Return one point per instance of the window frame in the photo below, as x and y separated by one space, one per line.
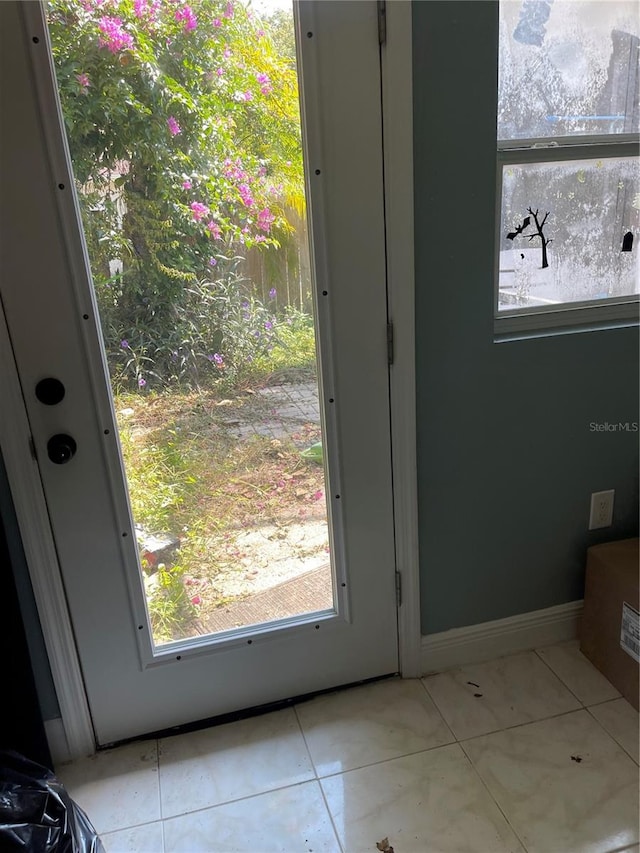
524 321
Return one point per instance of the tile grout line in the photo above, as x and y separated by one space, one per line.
438 711
493 799
163 836
329 812
387 760
127 828
143 822
556 675
159 782
521 725
160 793
504 728
562 681
158 753
606 702
304 740
236 800
608 733
317 779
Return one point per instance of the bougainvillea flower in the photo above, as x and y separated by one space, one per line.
245 195
146 9
233 169
265 220
174 127
186 15
114 37
214 229
198 210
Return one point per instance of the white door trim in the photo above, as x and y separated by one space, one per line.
42 559
397 118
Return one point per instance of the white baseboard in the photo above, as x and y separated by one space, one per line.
57 740
476 643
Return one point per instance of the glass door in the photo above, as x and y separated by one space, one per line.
217 461
184 130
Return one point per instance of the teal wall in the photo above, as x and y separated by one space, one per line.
506 458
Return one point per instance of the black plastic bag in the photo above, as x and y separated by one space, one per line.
37 815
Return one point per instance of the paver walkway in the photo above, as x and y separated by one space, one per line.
278 411
306 593
284 411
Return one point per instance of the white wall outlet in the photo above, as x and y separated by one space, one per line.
601 514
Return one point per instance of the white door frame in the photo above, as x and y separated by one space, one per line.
22 470
41 557
397 120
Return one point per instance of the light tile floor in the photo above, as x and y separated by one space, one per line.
535 752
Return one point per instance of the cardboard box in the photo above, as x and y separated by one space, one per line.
609 631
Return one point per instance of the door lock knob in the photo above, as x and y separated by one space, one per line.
50 391
61 448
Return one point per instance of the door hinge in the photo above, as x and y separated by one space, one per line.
390 343
382 21
398 589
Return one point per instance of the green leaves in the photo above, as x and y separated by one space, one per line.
164 115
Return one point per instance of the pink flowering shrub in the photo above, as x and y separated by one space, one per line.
186 145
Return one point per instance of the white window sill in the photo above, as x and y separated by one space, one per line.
569 319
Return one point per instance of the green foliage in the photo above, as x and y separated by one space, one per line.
294 344
169 605
184 130
219 330
159 474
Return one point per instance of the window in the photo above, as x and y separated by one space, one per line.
568 167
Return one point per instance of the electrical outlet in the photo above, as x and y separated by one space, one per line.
601 514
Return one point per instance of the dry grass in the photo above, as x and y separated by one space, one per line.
192 477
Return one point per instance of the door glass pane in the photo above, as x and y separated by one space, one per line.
184 129
567 231
567 67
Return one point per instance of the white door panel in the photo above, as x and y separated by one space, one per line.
132 686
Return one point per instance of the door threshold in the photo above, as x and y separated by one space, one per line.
245 713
